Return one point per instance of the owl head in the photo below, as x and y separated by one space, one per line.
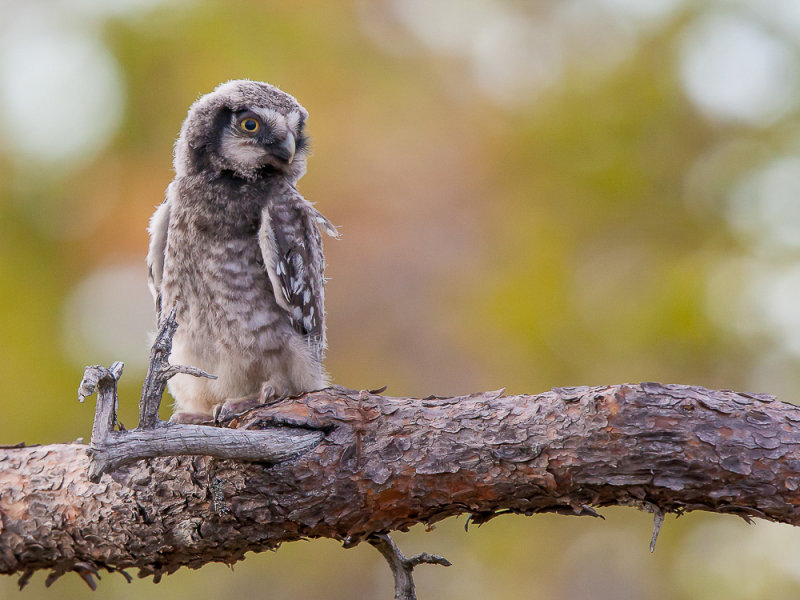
247 128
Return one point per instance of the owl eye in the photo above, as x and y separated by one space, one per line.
249 124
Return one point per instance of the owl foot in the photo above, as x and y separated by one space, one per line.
187 418
231 408
236 407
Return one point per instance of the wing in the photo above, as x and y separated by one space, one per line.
291 246
159 223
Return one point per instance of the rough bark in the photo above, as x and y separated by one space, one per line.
388 463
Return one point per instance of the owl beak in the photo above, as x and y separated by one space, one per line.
284 150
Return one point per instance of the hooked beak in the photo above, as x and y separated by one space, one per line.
284 150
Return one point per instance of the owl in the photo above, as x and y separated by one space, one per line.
238 251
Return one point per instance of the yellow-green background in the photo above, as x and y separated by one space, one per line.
531 194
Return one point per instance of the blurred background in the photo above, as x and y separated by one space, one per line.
531 194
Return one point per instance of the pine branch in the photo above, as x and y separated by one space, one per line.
385 464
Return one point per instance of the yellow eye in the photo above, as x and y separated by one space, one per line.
250 125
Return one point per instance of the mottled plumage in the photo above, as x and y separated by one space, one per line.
238 250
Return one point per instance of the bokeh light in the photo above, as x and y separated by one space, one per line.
734 68
764 205
61 91
108 316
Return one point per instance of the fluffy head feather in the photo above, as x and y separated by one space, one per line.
213 139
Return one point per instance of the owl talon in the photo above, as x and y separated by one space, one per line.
230 409
268 395
236 407
186 418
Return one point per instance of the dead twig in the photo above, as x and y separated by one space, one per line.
111 449
402 567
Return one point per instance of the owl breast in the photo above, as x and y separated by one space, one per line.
224 296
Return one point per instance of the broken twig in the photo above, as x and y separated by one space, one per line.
111 449
401 566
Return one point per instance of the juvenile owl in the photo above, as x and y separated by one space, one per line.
237 249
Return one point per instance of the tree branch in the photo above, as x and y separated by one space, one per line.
386 464
401 566
159 371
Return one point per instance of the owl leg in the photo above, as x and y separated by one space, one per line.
236 406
